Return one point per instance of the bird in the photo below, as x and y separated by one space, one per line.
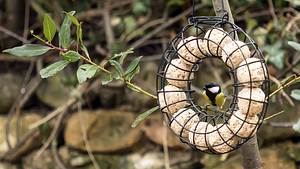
213 94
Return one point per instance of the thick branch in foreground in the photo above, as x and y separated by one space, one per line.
249 151
250 154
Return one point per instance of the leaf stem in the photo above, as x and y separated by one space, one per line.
140 89
93 63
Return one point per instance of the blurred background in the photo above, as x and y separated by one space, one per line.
95 131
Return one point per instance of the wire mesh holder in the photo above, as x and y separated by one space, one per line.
210 129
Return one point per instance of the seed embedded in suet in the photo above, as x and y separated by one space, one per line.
242 125
183 120
251 101
222 140
178 73
199 135
234 53
214 41
251 72
190 50
171 99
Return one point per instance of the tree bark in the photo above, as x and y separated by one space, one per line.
249 151
250 154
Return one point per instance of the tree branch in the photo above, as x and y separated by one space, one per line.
249 151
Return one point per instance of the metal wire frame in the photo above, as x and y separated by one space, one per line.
200 25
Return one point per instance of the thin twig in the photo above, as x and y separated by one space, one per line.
26 18
165 147
85 138
170 22
54 113
273 115
272 11
110 37
283 86
14 107
52 136
57 157
294 64
12 34
280 124
282 92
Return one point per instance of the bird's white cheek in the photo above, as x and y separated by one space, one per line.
214 89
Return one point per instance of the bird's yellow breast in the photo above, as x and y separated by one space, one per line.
220 99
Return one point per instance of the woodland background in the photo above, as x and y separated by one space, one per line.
91 128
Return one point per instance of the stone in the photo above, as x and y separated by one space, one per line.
7 166
154 127
45 161
53 92
273 158
10 86
107 131
25 121
155 160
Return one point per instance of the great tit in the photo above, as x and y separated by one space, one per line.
213 94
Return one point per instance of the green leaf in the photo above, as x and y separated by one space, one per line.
105 78
85 72
294 3
53 68
49 27
143 116
37 36
139 8
45 128
65 32
85 50
133 65
28 50
175 2
121 56
79 34
296 126
295 45
296 94
129 76
276 54
117 66
116 75
130 24
73 19
71 56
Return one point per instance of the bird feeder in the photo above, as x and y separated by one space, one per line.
224 130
